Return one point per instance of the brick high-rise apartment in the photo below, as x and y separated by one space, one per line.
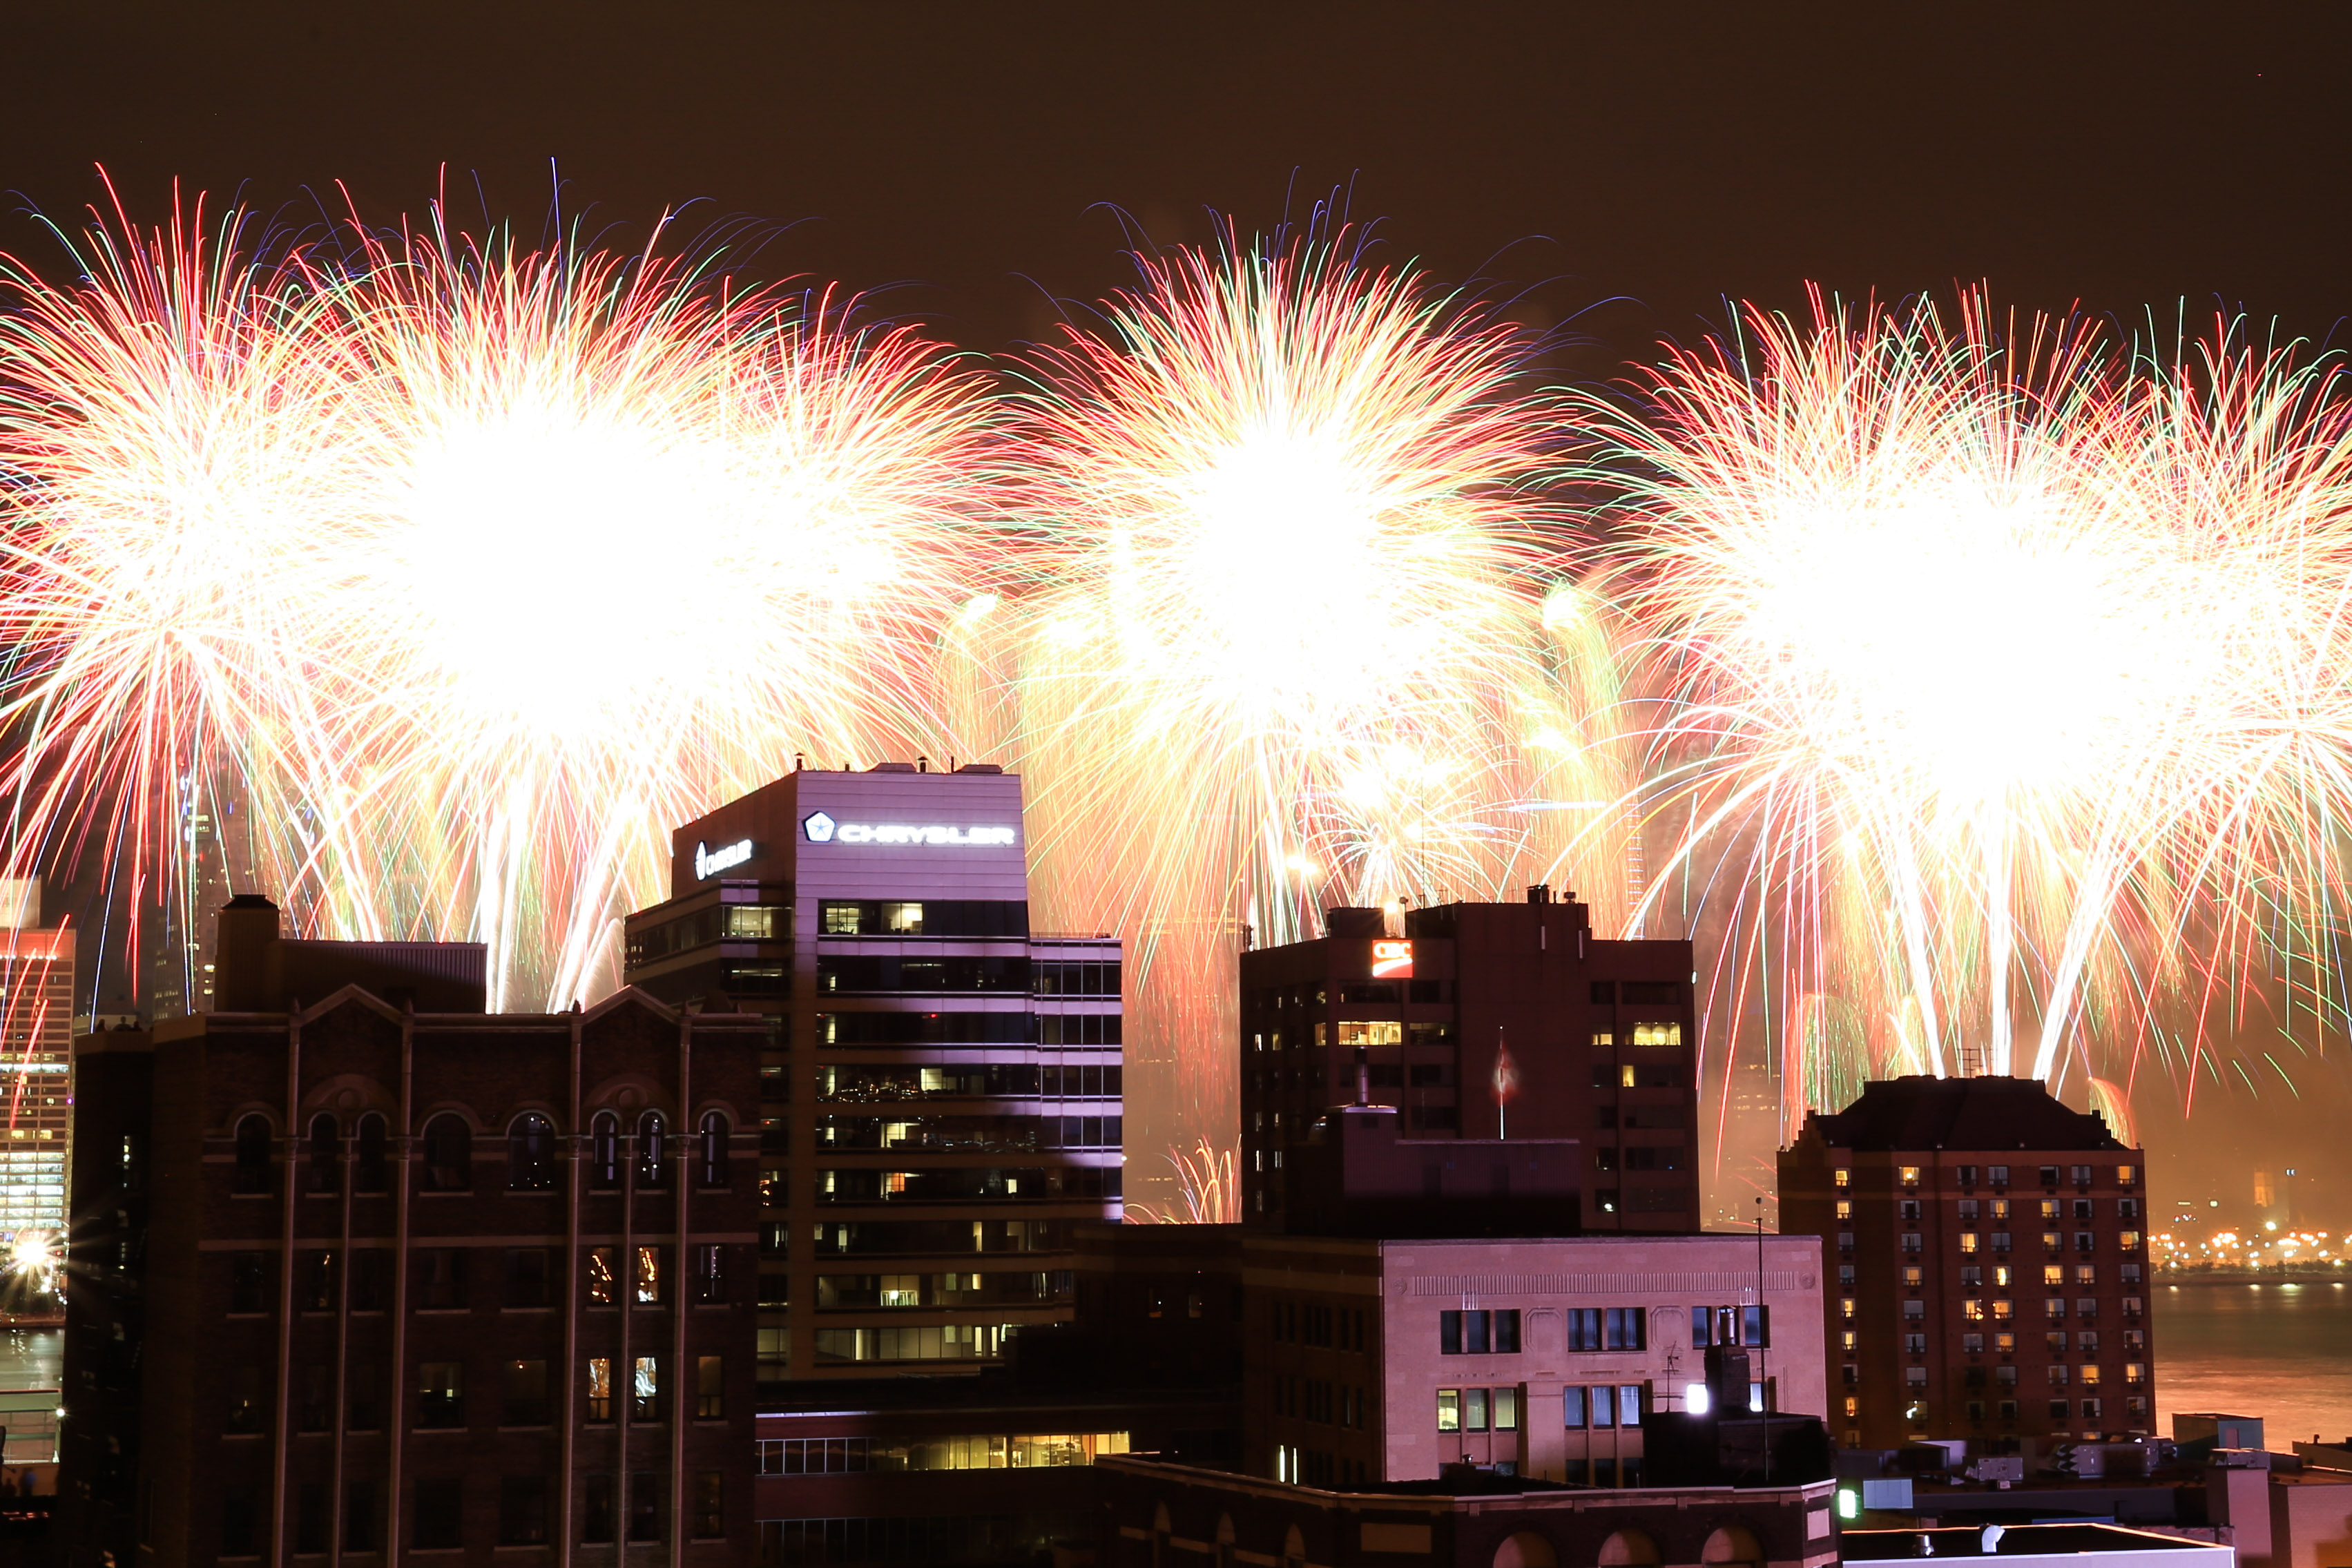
941 1088
1600 1035
1991 1258
363 1272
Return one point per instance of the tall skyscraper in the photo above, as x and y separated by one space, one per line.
941 1091
36 980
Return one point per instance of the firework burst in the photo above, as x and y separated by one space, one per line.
1965 713
1291 640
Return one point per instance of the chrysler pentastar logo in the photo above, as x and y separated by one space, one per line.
818 827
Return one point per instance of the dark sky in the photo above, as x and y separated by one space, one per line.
1643 159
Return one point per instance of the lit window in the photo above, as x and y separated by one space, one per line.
1967 1241
1625 1076
1973 1310
1909 1175
1852 1406
1449 1410
1845 1308
1845 1208
2053 1273
2126 1175
2004 1344
1914 1275
2003 1311
1657 1034
1842 1177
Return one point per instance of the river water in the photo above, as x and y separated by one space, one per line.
2280 1352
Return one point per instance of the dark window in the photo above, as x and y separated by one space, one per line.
645 1505
2048 1175
244 1411
530 1154
358 1516
311 1409
1626 1327
438 1524
604 1151
1605 992
709 1388
526 1402
441 1278
363 1401
449 1154
372 1171
1506 1332
315 1287
1584 1328
1755 1326
711 1150
440 1395
310 1521
652 1151
596 1510
522 1510
325 1163
371 1281
708 1519
527 1271
252 1172
240 1522
708 1262
248 1282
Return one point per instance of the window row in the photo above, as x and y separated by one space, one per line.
1321 1400
969 1134
1023 1080
1316 1323
449 1279
521 1395
1998 1177
438 1508
991 1451
445 1154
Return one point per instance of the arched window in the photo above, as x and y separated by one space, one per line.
449 1154
252 1155
1525 1550
326 1152
530 1154
372 1171
1629 1549
604 1151
652 1151
711 1148
1730 1545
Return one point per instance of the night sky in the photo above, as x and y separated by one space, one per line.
1623 167
1617 170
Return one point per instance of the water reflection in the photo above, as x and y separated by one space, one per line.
2280 1352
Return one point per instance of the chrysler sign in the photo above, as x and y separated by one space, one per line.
821 829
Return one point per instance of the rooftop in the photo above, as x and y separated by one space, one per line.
1989 1114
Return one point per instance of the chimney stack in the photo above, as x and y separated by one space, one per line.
247 930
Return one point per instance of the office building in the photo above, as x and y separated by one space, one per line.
1595 1040
1378 1355
37 981
363 1272
941 1090
1991 1248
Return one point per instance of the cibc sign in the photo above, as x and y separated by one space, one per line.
1392 959
709 863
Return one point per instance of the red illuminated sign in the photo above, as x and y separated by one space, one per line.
1391 960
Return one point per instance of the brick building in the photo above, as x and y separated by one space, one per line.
941 1085
1991 1248
363 1272
1600 1035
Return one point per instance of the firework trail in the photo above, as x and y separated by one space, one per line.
1987 658
1286 647
465 570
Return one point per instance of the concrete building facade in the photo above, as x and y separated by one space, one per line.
941 1088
